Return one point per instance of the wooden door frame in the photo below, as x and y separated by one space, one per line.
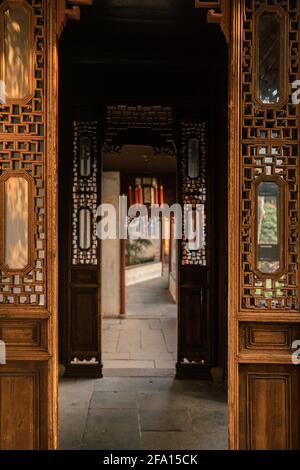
52 205
233 222
55 19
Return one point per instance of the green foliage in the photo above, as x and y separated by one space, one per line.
269 229
134 249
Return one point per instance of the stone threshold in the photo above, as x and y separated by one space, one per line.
138 372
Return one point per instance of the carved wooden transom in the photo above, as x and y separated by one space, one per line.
218 12
69 10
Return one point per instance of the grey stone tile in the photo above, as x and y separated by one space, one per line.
155 384
164 420
106 421
130 364
160 401
119 400
216 439
77 386
114 372
165 413
72 420
110 340
165 363
130 340
115 356
152 355
170 441
206 388
153 340
211 420
204 402
155 325
114 441
115 384
174 400
69 441
74 401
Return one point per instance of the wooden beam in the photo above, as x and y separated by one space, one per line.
69 10
218 12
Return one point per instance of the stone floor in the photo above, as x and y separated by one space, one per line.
151 298
139 405
147 338
158 413
139 343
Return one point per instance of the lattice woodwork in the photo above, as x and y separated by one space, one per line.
194 190
269 146
153 124
85 193
22 147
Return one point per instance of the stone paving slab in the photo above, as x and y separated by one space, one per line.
147 333
132 413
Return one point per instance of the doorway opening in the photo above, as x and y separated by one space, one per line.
139 273
181 64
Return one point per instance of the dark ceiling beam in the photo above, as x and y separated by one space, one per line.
218 12
69 10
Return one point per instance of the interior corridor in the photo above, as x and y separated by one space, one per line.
151 298
147 337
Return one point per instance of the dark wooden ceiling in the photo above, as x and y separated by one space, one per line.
150 50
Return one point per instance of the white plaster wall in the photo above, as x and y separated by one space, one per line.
142 272
110 260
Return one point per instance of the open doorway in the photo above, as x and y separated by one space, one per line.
139 273
182 63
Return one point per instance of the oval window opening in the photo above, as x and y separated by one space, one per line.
16 50
85 229
193 158
269 51
16 223
85 157
269 227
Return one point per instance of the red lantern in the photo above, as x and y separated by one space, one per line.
156 195
136 195
140 195
162 201
130 196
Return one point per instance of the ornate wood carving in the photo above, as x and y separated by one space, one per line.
81 328
154 124
28 299
196 354
69 10
269 148
22 151
264 311
218 12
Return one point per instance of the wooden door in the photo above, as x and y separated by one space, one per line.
197 319
264 318
28 241
79 298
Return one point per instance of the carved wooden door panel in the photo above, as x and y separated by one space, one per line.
80 296
196 314
28 246
264 312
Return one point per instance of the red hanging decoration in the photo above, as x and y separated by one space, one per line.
130 196
136 195
162 201
140 195
156 195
